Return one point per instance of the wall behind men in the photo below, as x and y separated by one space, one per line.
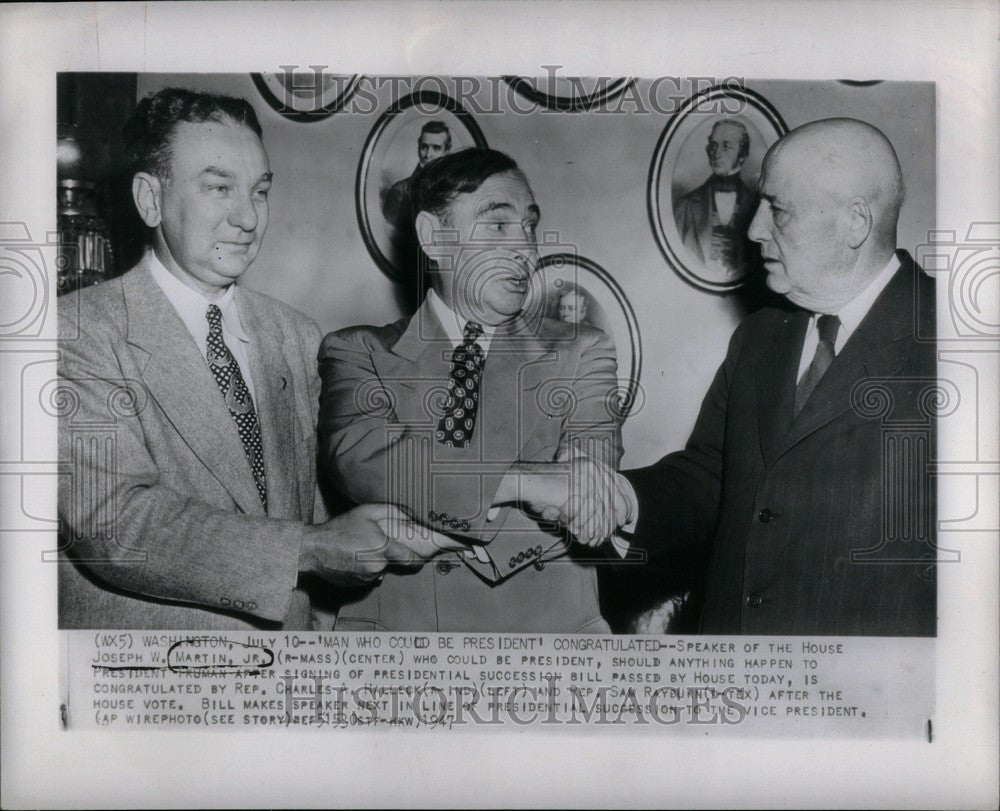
589 174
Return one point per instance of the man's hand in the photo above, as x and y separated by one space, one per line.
581 493
355 548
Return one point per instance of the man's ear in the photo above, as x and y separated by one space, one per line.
148 198
428 233
861 222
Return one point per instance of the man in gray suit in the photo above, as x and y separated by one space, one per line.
449 412
189 406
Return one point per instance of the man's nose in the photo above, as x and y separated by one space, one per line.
757 232
243 213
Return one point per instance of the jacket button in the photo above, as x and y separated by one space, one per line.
225 601
443 566
753 600
465 526
765 516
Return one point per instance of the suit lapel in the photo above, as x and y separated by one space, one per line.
416 367
276 409
516 367
776 372
178 378
704 229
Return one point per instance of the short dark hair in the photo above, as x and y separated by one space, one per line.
435 186
437 128
149 131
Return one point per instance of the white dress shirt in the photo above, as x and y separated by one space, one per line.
850 315
192 307
725 204
454 325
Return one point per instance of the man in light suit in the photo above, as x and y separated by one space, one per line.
712 220
451 412
189 408
808 470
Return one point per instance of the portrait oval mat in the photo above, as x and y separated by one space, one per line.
680 166
296 97
608 309
377 167
569 94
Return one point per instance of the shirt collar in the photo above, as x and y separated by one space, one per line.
191 305
452 324
854 312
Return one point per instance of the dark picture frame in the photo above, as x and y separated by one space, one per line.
609 310
307 108
674 178
428 104
576 103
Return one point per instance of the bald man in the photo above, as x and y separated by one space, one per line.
806 478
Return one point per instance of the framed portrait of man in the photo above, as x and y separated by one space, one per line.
416 130
576 290
703 185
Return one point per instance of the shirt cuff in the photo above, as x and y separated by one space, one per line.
632 519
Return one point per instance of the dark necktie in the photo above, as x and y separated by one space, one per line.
725 182
234 390
459 418
827 326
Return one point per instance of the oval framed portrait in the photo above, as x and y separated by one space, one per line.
703 185
415 130
576 290
306 96
569 94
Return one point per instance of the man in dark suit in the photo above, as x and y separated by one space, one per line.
434 142
807 472
190 406
712 220
449 413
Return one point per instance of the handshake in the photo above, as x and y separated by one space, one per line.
580 492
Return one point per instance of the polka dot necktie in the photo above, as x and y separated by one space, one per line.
827 326
459 418
234 390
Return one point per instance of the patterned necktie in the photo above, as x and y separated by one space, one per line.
234 390
459 419
827 326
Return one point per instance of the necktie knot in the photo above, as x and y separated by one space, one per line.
472 331
828 326
214 316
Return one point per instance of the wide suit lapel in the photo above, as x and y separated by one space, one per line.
416 371
870 352
177 377
777 366
419 364
704 229
287 493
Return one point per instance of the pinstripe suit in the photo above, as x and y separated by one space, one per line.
824 524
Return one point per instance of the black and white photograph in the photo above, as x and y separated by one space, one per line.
376 376
310 95
703 185
418 129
